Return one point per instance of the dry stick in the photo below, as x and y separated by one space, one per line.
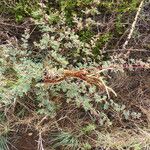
133 25
12 25
129 49
40 142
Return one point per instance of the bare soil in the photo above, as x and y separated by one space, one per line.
24 141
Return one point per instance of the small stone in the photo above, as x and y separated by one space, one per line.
30 134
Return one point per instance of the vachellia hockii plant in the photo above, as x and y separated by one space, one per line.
75 73
61 62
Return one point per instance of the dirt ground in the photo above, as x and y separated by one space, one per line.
24 141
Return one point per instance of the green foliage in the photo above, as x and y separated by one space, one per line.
101 42
85 35
17 72
86 146
3 143
66 140
45 106
89 128
20 9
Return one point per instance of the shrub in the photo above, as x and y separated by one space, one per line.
63 69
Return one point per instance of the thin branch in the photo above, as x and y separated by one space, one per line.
133 25
129 49
12 25
40 142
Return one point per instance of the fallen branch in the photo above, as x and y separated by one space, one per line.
91 78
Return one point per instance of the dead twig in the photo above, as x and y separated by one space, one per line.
40 142
12 25
129 49
91 78
133 25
